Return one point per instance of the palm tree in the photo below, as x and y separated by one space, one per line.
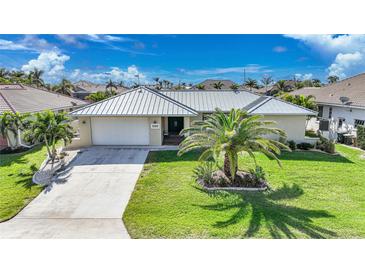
333 79
65 87
230 134
200 86
266 81
301 100
251 83
3 73
234 87
110 85
50 128
36 75
218 85
98 96
316 82
282 86
10 126
121 84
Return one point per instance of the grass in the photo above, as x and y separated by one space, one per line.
315 195
16 187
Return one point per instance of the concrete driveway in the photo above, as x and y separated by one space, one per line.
87 201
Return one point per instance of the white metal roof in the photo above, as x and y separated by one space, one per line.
136 102
144 101
208 101
274 106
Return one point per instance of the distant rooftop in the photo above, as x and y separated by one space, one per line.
23 99
350 92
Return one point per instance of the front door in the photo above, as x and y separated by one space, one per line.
176 124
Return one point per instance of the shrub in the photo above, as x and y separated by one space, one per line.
204 172
304 146
361 136
326 145
259 173
311 133
292 145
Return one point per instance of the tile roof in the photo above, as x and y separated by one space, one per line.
137 102
209 83
89 87
23 99
353 88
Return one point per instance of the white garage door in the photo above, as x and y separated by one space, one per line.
120 131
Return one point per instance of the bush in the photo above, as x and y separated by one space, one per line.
292 145
259 173
204 172
304 146
311 133
326 145
361 136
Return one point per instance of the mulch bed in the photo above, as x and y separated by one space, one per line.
8 150
243 180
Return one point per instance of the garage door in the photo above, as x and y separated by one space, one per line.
120 131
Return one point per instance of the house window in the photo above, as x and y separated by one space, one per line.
330 113
340 122
320 111
359 122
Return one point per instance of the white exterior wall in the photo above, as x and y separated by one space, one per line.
294 126
350 114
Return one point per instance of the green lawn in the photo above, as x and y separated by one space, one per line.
315 195
16 187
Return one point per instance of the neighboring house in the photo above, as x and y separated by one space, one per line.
143 116
85 88
209 84
343 101
24 99
273 89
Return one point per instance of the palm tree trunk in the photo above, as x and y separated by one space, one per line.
226 167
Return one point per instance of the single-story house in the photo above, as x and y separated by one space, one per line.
25 99
143 116
343 101
85 88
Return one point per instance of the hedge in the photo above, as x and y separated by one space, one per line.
361 136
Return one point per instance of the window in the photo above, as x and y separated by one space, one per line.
340 122
330 113
320 111
359 122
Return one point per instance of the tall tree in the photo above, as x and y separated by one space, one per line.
65 87
218 85
230 134
36 77
333 79
234 87
110 85
251 83
50 127
266 80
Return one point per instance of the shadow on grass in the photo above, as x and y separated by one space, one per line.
17 158
280 220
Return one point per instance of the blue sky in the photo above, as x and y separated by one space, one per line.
185 58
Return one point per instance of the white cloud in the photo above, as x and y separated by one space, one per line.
251 68
115 74
51 62
28 43
344 62
10 45
302 77
347 51
279 49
